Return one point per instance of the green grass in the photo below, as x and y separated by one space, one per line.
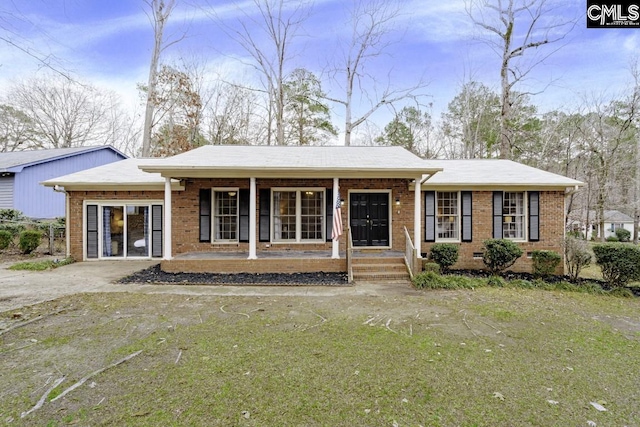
434 360
40 265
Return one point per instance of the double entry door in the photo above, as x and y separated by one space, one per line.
369 219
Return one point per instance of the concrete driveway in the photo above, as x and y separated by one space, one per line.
21 288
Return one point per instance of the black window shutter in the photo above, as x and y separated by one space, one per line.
156 230
244 195
467 209
330 203
265 211
430 216
205 214
497 214
92 231
534 216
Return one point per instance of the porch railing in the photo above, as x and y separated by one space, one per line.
410 255
349 255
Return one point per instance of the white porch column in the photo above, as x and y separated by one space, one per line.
417 224
167 219
335 245
252 220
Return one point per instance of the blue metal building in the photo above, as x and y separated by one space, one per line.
22 171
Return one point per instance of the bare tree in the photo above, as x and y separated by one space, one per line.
266 32
17 131
160 12
64 113
372 22
608 134
517 28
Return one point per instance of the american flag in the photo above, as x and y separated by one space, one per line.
336 231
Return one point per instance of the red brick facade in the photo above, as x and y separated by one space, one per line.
75 220
185 219
551 231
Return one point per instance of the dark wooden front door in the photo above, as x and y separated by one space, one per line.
369 219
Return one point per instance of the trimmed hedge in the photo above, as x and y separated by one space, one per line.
29 241
431 266
444 254
500 254
545 262
5 239
619 262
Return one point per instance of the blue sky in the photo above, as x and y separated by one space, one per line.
108 43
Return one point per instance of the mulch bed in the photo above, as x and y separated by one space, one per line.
154 275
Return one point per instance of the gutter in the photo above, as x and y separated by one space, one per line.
568 192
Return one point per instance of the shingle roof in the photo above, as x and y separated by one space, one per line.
292 161
16 160
313 162
609 216
123 174
495 173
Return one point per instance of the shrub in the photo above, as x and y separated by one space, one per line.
500 254
428 280
445 254
496 282
612 239
11 215
5 239
431 266
29 241
545 262
623 234
433 280
12 228
619 262
621 292
576 255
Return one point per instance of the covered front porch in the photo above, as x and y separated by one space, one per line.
285 261
281 261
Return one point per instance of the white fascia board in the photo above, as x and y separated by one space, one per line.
196 172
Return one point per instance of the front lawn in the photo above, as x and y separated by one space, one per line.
486 357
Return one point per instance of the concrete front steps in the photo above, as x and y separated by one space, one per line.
379 269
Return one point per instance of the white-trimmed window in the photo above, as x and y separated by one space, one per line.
513 215
122 229
225 215
448 215
298 215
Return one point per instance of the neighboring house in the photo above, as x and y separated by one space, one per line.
588 224
271 209
22 171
